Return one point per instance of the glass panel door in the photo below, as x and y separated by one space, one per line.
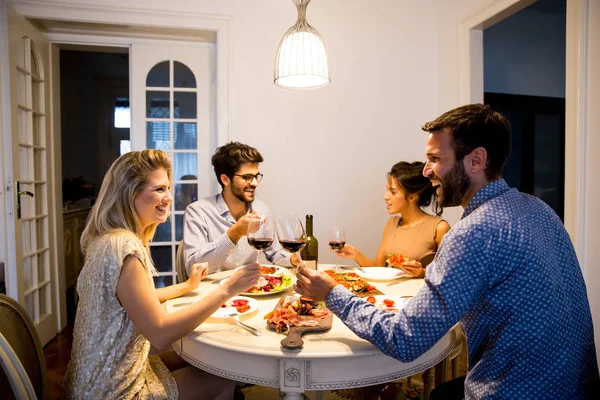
175 91
32 251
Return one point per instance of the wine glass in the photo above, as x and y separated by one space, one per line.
337 240
291 235
261 232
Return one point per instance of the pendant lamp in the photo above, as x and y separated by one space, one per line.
302 61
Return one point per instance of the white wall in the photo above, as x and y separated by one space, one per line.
525 54
327 151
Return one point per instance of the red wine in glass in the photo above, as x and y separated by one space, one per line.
261 232
260 243
292 245
337 244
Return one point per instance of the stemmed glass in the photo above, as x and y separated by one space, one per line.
337 240
261 233
291 235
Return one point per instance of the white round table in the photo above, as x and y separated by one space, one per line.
335 359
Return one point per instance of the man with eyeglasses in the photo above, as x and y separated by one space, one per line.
215 227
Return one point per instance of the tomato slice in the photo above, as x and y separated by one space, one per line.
389 303
239 302
242 308
371 300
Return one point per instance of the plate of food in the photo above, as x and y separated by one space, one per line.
239 305
388 303
353 282
294 316
273 279
379 273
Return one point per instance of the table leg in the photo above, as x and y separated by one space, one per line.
292 396
441 372
427 383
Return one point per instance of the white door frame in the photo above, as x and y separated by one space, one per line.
37 9
576 110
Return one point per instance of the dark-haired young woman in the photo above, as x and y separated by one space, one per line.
414 234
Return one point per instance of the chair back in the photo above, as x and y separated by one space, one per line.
21 350
182 275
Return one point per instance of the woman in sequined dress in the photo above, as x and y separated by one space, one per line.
119 314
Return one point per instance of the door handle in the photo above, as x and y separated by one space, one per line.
19 194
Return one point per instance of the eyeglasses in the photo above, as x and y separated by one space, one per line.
249 177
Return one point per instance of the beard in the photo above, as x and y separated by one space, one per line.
454 186
241 195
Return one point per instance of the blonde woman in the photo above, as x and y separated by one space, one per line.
119 312
414 234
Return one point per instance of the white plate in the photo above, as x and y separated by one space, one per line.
223 312
399 302
379 273
263 293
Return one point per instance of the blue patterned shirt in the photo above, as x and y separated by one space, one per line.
508 273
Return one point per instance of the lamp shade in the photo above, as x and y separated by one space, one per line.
301 61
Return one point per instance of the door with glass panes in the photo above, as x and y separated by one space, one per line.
31 275
171 92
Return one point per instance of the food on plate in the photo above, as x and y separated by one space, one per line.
268 270
241 305
371 300
352 282
271 283
242 308
296 311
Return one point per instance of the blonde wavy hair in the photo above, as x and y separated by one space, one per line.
114 209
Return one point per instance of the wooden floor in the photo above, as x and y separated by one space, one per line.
58 353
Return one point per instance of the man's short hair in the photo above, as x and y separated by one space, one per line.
477 125
228 158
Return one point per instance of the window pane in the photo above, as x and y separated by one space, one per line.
185 105
158 135
163 232
36 92
185 135
161 256
185 164
38 138
157 104
125 146
162 281
35 71
184 77
122 114
158 75
185 194
178 227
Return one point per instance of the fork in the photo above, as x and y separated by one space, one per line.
251 329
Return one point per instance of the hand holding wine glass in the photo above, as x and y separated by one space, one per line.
291 235
337 240
261 232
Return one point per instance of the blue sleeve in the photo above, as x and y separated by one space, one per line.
455 280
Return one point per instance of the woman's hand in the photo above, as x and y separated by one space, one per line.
242 279
197 273
348 251
412 268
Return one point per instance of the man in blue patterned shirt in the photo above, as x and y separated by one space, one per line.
507 272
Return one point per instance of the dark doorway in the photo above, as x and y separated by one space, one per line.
537 162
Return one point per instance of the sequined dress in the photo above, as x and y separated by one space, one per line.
110 357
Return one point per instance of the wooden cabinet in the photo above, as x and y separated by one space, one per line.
74 223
